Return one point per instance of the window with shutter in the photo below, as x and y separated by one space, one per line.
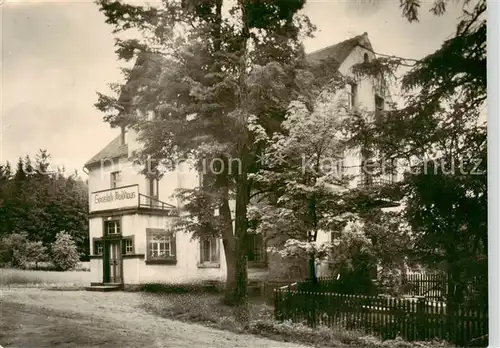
97 247
127 245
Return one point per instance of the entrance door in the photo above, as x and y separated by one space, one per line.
114 262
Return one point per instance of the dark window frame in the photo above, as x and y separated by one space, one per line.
379 106
353 95
214 240
96 241
124 245
170 259
153 187
115 179
117 221
262 261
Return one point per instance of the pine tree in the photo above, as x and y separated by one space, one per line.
42 204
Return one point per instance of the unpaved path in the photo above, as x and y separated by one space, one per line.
43 318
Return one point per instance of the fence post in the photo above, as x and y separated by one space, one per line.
421 318
277 305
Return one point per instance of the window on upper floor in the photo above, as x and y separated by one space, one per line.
352 95
366 58
153 187
112 227
367 167
150 115
115 179
389 170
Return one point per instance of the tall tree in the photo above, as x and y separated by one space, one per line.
302 179
5 180
205 74
40 203
439 136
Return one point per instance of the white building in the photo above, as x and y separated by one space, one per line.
130 215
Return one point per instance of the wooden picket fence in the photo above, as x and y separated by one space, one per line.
428 285
411 318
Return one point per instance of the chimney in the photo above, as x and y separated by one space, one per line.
122 136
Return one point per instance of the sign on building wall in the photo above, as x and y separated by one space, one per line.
119 198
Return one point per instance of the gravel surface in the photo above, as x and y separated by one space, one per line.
45 318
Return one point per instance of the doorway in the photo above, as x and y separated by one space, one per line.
113 262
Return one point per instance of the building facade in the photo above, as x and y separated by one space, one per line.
131 215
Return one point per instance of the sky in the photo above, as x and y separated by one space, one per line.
56 55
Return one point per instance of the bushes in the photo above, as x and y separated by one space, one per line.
65 254
199 287
17 251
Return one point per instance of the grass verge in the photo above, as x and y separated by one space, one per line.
192 304
16 278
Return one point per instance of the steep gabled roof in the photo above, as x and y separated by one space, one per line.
340 51
113 150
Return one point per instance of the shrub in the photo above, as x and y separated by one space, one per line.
65 254
35 252
390 281
12 249
17 251
200 287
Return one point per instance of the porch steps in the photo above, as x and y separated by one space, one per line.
103 287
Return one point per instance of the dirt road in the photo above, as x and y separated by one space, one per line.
43 318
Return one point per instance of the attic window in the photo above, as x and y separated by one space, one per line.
151 115
366 59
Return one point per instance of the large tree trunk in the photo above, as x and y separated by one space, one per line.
241 225
228 238
228 242
240 296
312 270
453 289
